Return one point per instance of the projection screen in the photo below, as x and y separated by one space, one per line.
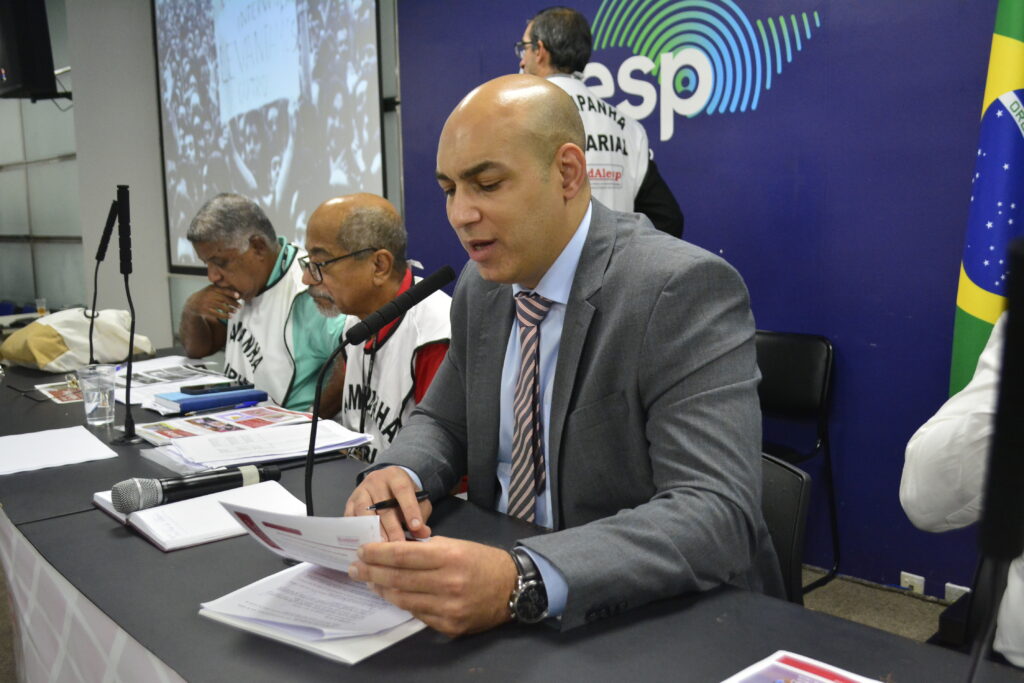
277 100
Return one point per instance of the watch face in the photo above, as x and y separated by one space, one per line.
531 603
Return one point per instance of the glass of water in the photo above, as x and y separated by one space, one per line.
97 385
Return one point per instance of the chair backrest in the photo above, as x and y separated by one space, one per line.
785 493
796 374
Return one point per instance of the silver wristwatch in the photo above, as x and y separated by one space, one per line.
529 601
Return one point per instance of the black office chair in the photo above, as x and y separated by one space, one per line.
962 622
784 498
796 384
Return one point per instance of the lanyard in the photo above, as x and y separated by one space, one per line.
365 389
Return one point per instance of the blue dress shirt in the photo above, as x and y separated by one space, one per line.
555 286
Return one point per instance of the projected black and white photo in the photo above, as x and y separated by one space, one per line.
277 100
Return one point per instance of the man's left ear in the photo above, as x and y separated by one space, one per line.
383 263
259 244
573 166
543 55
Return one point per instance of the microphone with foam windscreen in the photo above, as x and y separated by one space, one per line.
108 230
124 229
138 494
358 334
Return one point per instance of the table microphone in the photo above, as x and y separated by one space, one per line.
138 494
358 334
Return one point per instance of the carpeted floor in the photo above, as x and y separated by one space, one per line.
890 609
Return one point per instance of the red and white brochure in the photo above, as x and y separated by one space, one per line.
793 668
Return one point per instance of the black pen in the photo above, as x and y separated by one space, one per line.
393 502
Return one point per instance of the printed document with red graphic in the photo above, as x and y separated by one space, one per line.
789 667
329 542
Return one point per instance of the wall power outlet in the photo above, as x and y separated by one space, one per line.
953 591
912 581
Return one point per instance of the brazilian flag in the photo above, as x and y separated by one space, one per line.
997 196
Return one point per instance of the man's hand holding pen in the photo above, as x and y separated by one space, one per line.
391 494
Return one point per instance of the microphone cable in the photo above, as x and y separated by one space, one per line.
358 334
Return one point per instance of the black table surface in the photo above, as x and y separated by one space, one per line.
56 491
155 597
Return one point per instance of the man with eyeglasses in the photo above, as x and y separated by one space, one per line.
355 265
556 45
257 309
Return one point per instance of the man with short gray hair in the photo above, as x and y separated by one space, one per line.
257 310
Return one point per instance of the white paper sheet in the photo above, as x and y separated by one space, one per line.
330 542
50 448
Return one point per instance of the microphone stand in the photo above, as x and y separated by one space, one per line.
101 252
125 247
311 451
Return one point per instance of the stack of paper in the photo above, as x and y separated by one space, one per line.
318 610
152 377
238 420
265 445
315 607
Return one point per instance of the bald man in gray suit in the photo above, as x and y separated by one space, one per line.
649 416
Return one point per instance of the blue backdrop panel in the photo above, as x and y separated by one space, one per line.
834 175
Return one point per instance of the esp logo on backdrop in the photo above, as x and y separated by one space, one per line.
706 56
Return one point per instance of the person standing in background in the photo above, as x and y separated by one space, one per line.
556 45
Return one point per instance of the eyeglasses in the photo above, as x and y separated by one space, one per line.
316 269
520 47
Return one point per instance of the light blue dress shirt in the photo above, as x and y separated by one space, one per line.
555 286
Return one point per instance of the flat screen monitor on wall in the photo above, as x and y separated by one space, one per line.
26 61
277 100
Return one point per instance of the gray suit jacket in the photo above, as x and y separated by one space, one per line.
655 426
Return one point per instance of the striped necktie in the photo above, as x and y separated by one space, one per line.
527 478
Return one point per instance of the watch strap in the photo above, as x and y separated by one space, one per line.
529 587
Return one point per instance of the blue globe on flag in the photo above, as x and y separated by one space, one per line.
997 193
